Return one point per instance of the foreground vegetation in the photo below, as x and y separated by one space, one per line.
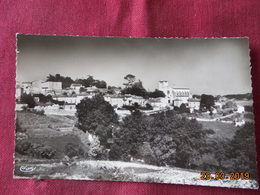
168 139
165 139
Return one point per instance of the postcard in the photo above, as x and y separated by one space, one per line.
159 110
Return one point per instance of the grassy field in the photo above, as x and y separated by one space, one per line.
42 129
222 130
30 120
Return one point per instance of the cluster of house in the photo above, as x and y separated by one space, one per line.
37 87
72 95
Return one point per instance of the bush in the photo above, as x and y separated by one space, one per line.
42 151
210 132
35 150
73 150
22 147
183 109
28 99
112 174
148 107
243 151
18 127
249 108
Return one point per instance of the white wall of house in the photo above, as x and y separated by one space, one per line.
72 99
20 107
27 87
76 88
177 102
240 109
18 92
158 103
194 105
139 100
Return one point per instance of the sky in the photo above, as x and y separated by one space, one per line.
210 66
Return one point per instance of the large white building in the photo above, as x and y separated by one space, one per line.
46 87
174 96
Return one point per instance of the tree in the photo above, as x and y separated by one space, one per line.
86 82
243 150
90 81
96 116
155 94
130 80
171 139
100 84
43 98
148 106
135 89
247 96
66 81
229 104
28 99
132 133
183 109
82 89
206 101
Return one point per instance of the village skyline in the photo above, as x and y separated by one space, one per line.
122 85
184 63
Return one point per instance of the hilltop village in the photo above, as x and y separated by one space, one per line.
52 98
87 126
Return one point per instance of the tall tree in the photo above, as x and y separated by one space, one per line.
97 116
136 89
173 140
155 94
207 101
243 150
28 99
130 80
90 81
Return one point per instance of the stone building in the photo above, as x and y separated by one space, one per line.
46 87
172 94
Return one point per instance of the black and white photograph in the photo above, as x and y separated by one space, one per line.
158 110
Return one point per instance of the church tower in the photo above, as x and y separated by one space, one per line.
163 85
